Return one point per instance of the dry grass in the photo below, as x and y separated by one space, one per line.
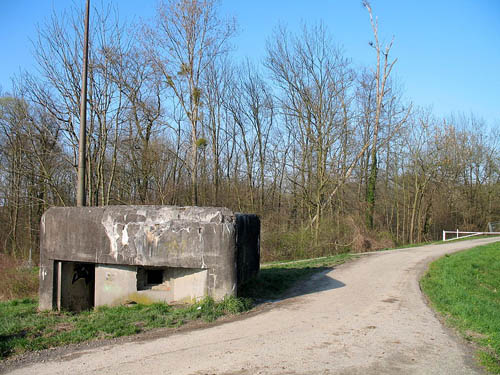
367 240
17 280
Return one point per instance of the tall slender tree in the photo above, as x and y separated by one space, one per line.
189 36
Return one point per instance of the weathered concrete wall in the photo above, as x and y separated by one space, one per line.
114 283
170 237
47 281
118 284
187 284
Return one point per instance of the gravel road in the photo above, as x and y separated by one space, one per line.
364 317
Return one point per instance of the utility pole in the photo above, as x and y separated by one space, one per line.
82 145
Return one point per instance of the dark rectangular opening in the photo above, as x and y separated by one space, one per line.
148 277
75 286
154 277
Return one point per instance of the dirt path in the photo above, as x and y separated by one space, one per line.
364 317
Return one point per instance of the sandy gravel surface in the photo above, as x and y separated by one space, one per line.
364 317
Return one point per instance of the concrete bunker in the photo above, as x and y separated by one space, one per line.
94 256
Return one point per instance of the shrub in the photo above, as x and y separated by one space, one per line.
16 279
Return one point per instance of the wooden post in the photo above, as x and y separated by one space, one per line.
59 285
82 145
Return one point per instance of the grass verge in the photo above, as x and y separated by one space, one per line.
465 288
23 328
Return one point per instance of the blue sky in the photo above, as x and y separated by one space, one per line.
448 50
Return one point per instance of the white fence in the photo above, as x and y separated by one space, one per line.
459 234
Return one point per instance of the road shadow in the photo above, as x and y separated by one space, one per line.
317 282
276 284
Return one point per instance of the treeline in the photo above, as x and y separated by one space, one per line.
332 157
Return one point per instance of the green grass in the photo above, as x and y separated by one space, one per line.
275 278
465 288
23 329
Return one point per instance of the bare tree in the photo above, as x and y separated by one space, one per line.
187 39
30 168
314 79
217 81
383 69
57 89
252 108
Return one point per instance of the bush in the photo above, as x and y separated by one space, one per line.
16 279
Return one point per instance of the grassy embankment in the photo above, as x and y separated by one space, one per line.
23 329
465 288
